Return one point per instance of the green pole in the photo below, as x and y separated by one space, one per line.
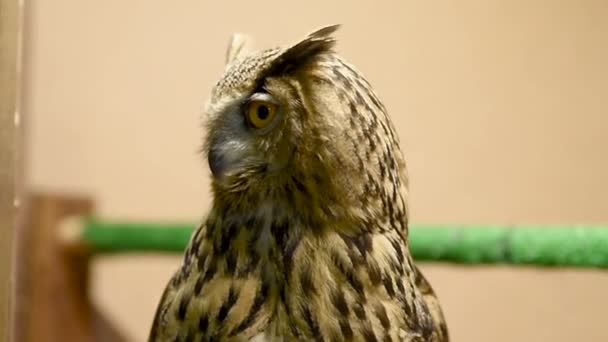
563 245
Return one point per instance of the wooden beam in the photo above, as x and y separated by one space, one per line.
10 166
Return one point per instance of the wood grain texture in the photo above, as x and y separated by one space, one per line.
10 35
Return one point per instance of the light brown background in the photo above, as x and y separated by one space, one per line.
501 106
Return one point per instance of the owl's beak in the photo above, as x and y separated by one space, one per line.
217 163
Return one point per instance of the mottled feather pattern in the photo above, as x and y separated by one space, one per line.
307 235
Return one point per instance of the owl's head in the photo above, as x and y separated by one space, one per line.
297 120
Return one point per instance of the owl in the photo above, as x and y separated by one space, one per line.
307 235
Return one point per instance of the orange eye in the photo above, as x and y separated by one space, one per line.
261 113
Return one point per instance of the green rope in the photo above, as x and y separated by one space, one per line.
566 246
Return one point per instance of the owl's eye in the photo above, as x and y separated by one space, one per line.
261 113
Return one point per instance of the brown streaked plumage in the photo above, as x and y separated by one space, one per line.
307 235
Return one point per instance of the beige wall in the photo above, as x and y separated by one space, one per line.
501 106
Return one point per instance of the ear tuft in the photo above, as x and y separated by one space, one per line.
326 31
318 42
238 46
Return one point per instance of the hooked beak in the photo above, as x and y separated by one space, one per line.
217 162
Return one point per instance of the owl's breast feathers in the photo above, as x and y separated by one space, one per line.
241 278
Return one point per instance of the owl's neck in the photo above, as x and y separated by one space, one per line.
267 236
281 219
315 203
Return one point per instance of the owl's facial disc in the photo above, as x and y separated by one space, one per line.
242 138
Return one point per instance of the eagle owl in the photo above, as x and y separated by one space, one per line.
306 238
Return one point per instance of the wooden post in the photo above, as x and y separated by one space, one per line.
54 301
53 281
10 43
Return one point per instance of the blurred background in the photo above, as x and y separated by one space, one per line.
501 106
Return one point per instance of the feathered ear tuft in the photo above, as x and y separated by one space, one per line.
324 32
317 42
239 45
